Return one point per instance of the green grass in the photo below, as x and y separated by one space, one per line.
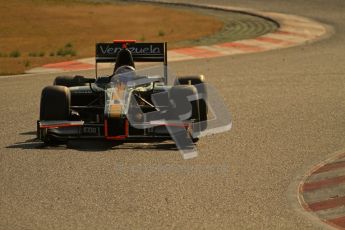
32 54
27 64
15 54
142 38
37 54
67 50
68 45
161 33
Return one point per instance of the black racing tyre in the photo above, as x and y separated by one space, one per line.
55 103
197 80
70 81
178 94
190 80
73 81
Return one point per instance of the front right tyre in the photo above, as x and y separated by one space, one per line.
202 109
55 105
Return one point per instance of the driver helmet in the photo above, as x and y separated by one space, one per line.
124 74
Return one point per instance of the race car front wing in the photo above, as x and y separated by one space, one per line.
65 130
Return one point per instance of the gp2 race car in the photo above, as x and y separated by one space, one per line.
126 105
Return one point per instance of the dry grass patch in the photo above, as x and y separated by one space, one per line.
35 32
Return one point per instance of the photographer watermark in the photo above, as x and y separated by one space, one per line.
187 112
172 169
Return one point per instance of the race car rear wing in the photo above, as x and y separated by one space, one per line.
141 52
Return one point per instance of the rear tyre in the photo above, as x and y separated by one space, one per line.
198 82
70 81
55 105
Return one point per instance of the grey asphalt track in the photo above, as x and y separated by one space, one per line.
288 109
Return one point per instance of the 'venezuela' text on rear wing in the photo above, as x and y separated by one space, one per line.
141 52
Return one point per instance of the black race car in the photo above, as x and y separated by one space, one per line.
128 104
